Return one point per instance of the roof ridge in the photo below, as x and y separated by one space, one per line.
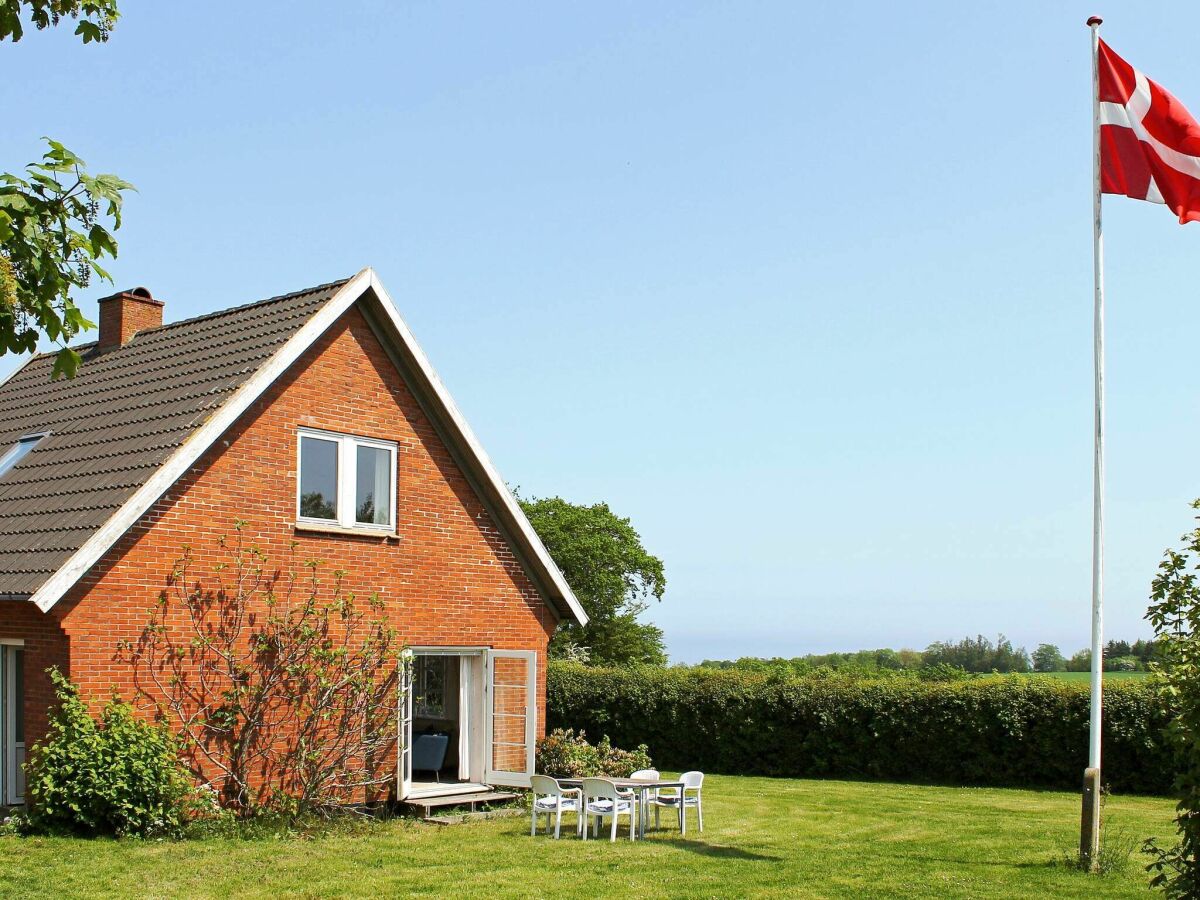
232 309
244 306
209 315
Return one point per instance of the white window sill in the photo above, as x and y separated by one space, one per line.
332 528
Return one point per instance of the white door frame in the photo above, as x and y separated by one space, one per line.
404 727
471 739
480 731
498 776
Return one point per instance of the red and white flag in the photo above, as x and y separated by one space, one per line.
1149 144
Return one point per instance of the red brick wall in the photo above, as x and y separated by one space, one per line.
449 579
45 646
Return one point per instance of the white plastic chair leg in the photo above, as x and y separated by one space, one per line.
700 812
533 818
557 823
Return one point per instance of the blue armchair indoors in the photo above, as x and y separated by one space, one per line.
429 753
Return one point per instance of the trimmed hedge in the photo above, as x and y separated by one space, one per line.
1002 730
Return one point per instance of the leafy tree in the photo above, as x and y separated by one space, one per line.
1080 661
1048 658
1118 648
978 655
52 228
1144 650
51 236
1175 614
603 560
96 18
282 689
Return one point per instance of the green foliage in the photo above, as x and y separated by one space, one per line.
979 654
51 239
987 731
95 18
1080 661
1175 614
603 560
973 655
1048 658
860 662
565 754
118 776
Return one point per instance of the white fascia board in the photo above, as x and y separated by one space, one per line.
200 440
465 437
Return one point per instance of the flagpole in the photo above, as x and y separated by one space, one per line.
1089 839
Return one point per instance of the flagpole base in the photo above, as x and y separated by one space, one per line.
1089 827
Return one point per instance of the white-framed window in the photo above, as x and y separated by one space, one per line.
345 480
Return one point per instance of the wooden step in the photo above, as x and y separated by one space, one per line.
426 805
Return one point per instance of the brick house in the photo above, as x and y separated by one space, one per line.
316 419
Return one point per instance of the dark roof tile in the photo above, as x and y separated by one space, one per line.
118 420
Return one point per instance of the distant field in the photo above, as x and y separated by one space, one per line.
1085 676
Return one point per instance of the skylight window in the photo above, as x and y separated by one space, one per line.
18 452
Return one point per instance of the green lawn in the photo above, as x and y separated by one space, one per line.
765 838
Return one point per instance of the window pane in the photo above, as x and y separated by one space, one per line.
318 478
373 493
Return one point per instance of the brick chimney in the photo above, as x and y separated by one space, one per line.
125 314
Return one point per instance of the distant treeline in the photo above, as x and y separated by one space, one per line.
977 654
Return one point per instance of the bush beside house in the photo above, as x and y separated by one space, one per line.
566 754
1015 731
118 775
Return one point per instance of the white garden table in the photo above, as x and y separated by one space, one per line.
640 786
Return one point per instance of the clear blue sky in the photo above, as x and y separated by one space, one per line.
805 292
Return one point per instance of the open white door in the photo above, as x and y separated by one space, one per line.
12 726
510 721
404 728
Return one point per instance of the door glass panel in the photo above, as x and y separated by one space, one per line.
18 711
405 726
510 693
18 694
429 687
318 478
373 491
5 739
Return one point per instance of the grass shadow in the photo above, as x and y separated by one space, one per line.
718 851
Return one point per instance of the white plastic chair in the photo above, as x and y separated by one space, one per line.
647 775
682 799
602 799
552 799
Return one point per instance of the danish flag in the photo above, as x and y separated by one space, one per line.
1149 144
